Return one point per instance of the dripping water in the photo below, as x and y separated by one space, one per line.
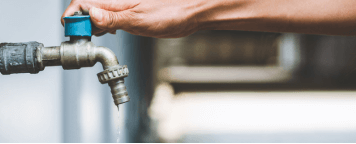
118 126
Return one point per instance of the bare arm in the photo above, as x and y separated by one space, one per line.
178 18
301 16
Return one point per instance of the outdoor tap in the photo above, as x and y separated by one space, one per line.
79 51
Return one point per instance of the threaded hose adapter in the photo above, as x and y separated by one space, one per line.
114 76
119 92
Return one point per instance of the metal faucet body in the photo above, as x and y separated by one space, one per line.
79 52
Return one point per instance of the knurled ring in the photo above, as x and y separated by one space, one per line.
113 73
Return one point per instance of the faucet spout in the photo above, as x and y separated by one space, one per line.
113 74
106 57
83 53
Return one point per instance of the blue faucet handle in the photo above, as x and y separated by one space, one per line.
77 25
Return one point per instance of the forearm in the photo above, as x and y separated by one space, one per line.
301 16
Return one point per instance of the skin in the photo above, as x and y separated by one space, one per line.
179 18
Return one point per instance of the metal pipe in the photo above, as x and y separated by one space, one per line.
51 56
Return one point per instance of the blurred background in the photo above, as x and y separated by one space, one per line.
212 86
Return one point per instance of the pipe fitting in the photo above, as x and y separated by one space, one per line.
19 58
114 76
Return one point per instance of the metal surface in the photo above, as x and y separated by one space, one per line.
113 73
78 13
114 76
118 91
19 57
79 52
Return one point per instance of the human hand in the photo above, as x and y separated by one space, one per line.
152 18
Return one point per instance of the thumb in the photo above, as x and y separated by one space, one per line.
104 19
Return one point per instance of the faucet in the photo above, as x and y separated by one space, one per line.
79 51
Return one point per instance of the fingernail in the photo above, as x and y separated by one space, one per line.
97 14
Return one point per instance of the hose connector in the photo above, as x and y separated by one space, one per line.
114 76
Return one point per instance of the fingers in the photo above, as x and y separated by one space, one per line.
100 34
107 20
110 5
96 31
116 5
70 11
113 32
107 15
104 32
